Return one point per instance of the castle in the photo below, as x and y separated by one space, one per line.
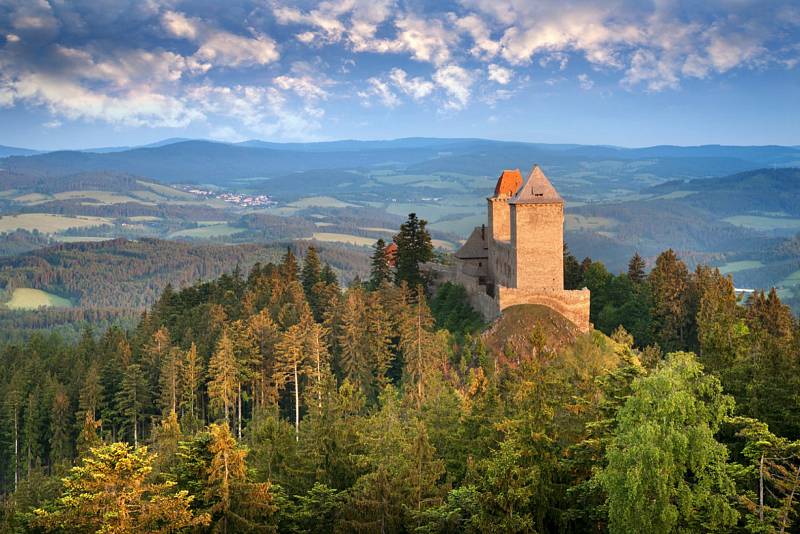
518 258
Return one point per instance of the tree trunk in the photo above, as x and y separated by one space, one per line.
788 506
239 409
761 489
319 373
296 405
16 446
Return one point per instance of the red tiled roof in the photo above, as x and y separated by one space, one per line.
508 183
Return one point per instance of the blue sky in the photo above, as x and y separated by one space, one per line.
632 73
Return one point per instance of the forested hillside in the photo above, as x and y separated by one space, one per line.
276 401
121 278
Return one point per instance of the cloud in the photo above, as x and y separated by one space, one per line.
380 90
585 82
417 87
221 48
500 74
456 81
262 110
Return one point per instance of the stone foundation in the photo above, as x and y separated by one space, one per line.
573 305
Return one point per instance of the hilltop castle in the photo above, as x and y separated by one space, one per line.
518 258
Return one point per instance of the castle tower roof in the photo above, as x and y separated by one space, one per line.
508 183
537 190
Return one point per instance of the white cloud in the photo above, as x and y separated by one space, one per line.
456 81
417 87
221 48
69 99
263 110
379 89
500 74
585 82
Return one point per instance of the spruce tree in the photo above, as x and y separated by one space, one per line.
311 273
414 247
381 271
191 379
669 281
290 365
636 267
133 399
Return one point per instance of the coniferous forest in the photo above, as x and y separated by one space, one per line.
279 401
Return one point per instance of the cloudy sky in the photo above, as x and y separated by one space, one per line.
625 72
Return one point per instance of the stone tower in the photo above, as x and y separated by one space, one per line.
519 258
537 234
500 219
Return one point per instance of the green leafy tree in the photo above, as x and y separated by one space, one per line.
666 471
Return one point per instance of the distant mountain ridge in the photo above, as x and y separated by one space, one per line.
200 161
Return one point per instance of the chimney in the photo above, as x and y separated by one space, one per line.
483 232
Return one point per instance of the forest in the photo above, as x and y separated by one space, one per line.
280 401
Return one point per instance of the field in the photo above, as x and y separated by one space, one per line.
344 238
24 298
736 266
320 202
48 223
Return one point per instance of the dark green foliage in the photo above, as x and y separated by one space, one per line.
399 417
380 270
453 312
414 247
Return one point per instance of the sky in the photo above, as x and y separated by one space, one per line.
77 74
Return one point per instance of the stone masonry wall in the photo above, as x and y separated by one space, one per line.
574 304
537 233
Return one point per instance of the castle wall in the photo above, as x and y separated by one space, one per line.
537 238
572 304
502 262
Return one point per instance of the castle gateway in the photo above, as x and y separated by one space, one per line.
518 258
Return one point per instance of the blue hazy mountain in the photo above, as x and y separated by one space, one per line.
177 160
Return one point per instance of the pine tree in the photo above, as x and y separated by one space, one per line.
133 399
60 446
223 378
414 247
90 397
110 492
290 365
636 267
191 380
169 380
288 266
669 280
311 273
417 344
381 271
227 468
